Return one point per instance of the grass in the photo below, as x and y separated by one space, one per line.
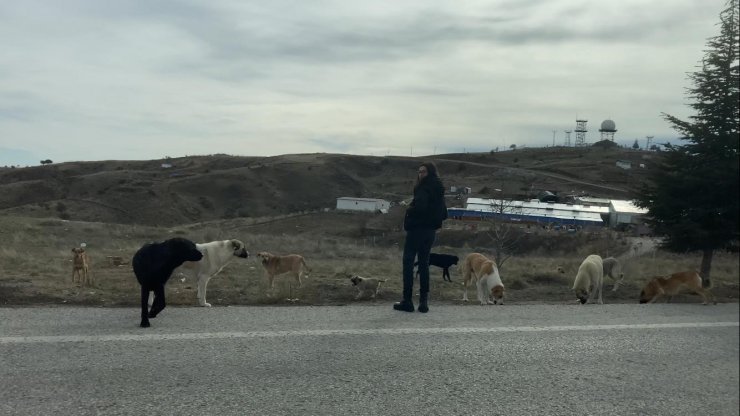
36 267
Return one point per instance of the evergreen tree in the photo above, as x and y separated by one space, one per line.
636 145
693 197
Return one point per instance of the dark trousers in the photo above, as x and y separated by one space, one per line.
417 246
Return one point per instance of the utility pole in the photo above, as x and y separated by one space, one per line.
553 137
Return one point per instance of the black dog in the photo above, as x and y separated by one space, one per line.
153 264
445 261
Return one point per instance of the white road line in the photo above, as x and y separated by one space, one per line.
343 332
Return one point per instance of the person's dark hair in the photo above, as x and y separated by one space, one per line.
431 169
432 172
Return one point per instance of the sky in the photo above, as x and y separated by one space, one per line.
140 80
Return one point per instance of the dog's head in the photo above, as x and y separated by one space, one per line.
78 251
356 280
498 293
649 291
455 259
239 249
264 256
582 295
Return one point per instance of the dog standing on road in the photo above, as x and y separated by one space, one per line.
366 283
153 264
673 284
216 255
488 281
590 280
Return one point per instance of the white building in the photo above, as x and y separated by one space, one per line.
619 211
625 212
363 204
542 212
624 164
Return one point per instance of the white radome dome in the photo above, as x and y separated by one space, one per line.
608 125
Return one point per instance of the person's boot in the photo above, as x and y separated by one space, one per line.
406 305
423 302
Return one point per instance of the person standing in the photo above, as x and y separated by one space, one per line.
424 216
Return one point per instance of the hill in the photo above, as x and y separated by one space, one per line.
193 189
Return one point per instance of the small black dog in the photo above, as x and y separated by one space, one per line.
445 261
153 264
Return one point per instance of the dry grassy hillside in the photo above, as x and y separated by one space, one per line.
206 188
278 204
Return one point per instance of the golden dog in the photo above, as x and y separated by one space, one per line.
275 265
81 267
488 281
673 284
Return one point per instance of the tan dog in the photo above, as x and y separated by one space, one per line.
673 284
275 265
81 267
366 283
488 281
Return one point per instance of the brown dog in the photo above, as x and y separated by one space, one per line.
366 283
81 267
488 281
673 284
275 265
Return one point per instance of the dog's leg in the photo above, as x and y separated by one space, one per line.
159 302
202 285
654 298
481 285
466 281
144 307
270 284
703 293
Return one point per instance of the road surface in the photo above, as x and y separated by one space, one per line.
665 359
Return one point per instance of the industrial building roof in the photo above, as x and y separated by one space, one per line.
623 206
542 210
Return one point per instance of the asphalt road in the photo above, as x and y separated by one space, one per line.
665 359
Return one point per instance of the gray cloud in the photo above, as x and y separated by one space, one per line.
266 78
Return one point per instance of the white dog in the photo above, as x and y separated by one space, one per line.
590 280
488 281
216 255
366 283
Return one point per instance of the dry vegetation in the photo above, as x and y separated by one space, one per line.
36 262
116 206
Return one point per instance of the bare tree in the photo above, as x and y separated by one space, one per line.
504 235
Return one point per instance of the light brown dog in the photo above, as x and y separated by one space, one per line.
275 265
488 281
81 267
366 283
673 284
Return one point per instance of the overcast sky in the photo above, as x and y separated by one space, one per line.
98 80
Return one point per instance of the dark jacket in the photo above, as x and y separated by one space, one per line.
427 210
